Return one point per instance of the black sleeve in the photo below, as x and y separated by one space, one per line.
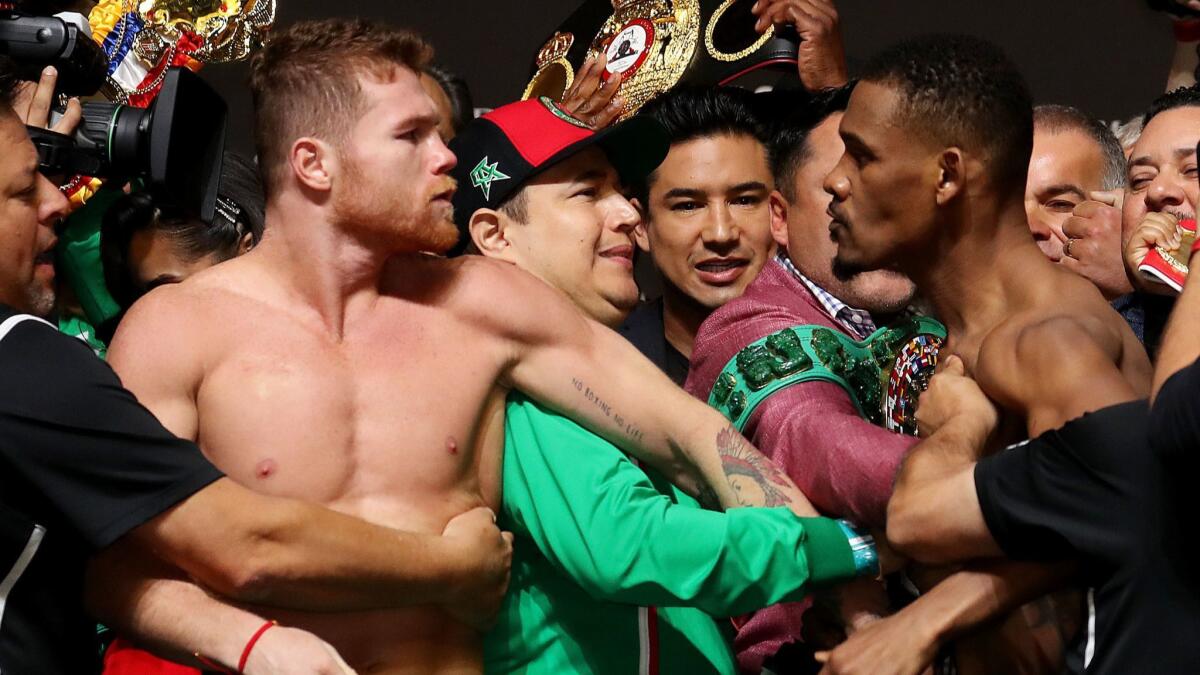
70 431
1068 493
1175 416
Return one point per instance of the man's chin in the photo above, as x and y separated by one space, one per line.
439 237
846 270
39 300
883 291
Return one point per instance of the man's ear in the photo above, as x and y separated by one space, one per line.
640 236
245 243
779 223
310 161
952 175
489 233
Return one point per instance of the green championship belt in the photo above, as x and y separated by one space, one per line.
883 374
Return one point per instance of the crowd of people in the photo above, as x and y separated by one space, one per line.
908 403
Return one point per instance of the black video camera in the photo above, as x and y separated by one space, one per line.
34 42
174 145
1175 8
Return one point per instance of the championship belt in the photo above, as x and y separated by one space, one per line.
1171 267
654 45
883 374
144 38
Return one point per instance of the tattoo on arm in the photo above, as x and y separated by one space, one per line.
626 426
750 474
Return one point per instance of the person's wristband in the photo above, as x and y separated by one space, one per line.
253 641
1186 30
862 547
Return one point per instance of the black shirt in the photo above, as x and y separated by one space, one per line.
81 464
644 328
1096 492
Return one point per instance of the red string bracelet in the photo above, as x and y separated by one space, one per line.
253 641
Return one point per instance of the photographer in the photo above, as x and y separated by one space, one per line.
84 467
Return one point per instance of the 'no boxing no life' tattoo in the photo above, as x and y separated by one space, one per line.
750 473
626 426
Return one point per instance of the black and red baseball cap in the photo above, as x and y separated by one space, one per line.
501 150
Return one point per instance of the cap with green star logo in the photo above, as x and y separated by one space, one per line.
500 151
484 174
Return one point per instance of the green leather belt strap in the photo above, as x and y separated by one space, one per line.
806 353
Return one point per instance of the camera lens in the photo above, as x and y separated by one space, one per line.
116 133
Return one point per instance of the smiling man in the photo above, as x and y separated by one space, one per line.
615 568
707 219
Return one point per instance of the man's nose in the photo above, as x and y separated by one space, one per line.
624 216
721 228
1164 192
837 185
53 205
1040 230
444 159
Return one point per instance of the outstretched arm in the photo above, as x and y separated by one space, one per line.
592 375
599 518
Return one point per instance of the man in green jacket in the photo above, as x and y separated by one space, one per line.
614 570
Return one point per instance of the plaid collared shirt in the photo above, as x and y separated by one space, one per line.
857 322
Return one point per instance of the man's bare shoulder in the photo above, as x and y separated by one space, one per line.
1048 355
1058 320
189 312
494 294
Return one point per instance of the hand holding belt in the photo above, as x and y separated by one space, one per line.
655 44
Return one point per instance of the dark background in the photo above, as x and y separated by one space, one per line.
1108 57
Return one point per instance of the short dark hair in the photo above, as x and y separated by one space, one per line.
691 112
306 81
191 238
1183 97
241 184
1059 118
796 118
962 90
462 106
516 206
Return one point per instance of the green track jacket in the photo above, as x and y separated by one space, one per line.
616 571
